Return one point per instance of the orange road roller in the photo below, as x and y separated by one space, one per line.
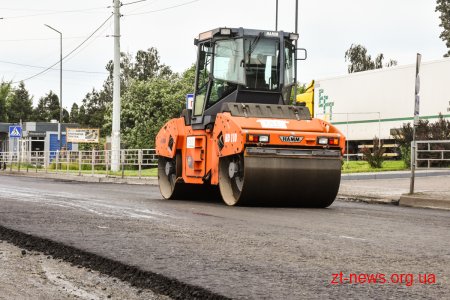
239 134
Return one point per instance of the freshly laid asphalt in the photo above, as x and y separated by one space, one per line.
431 188
239 252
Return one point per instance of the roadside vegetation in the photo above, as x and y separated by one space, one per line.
151 94
439 130
347 167
86 170
360 166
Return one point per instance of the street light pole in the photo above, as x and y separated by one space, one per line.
60 87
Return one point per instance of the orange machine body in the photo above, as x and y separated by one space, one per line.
202 149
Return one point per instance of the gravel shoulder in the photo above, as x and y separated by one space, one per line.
33 275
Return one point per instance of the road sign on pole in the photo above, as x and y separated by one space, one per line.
417 99
416 123
189 101
15 131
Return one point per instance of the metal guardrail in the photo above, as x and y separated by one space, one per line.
431 154
66 161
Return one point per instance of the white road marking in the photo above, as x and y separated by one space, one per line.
92 205
351 238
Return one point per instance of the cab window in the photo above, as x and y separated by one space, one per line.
203 72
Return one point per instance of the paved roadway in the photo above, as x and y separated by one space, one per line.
240 252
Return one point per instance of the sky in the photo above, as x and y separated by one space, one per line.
398 29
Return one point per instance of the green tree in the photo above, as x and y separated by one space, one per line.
359 60
144 67
65 116
147 65
19 105
94 106
148 105
5 89
82 115
40 113
443 7
74 113
48 108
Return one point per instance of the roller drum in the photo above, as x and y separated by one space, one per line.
304 181
172 186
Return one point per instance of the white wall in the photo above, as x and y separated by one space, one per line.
387 94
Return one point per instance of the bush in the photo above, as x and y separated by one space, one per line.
439 130
375 157
405 153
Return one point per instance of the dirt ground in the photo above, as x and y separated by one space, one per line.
32 275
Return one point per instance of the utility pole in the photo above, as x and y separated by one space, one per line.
60 96
115 135
60 87
295 52
276 15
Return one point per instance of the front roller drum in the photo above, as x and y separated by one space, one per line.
286 181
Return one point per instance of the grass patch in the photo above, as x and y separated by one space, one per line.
153 172
363 166
85 170
350 167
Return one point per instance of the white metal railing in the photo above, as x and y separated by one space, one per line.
431 154
79 161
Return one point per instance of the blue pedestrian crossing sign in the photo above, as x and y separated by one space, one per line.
15 131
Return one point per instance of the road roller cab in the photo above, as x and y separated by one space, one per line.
241 65
241 136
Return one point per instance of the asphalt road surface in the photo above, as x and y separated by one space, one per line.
351 250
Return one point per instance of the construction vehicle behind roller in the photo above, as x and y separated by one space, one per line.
307 98
240 134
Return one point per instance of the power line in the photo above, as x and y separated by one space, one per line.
45 10
67 55
139 7
81 44
42 39
40 67
162 9
55 13
134 2
101 34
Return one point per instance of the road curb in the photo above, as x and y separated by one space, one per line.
392 175
82 178
368 200
424 201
